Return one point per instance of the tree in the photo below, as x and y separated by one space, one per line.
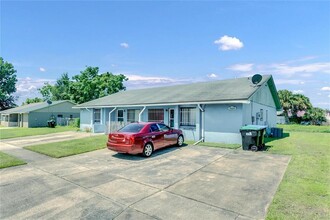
59 91
7 84
84 87
286 101
315 115
32 100
89 85
293 103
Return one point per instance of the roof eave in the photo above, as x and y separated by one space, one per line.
244 101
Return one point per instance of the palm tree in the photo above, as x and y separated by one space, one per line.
286 98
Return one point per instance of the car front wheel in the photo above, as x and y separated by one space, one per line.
180 140
147 150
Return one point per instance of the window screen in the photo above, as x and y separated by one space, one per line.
155 115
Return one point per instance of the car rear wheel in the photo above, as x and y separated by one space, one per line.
147 150
180 140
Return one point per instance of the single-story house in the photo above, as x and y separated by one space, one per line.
37 114
208 111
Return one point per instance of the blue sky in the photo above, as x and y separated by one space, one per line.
170 42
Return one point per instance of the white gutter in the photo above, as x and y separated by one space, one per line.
166 104
140 114
110 119
202 124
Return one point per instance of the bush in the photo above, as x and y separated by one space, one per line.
76 123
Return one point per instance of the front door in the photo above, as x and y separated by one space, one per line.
171 118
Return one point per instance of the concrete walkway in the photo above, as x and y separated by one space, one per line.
175 183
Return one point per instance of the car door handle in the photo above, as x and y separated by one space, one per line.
153 136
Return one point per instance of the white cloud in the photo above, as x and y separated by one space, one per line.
28 87
149 79
212 75
302 69
42 69
298 91
229 43
289 81
124 45
136 81
327 88
302 59
247 67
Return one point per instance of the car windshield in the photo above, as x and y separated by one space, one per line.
133 128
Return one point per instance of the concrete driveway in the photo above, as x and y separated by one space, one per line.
191 182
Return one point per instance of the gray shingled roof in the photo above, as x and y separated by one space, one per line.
223 90
30 107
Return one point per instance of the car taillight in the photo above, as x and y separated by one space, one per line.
131 140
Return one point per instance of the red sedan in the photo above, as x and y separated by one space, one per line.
144 137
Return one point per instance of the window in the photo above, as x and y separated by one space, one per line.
120 115
132 115
97 115
188 117
154 128
261 114
155 115
134 128
163 127
60 116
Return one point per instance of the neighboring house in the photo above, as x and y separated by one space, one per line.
37 114
209 111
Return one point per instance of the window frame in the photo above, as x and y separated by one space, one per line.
128 115
156 109
95 120
190 120
123 118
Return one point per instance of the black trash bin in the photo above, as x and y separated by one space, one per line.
253 137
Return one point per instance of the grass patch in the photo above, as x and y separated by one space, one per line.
9 161
71 147
23 132
304 190
305 128
219 145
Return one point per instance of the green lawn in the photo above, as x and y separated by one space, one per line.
305 128
9 161
22 132
305 188
210 144
71 147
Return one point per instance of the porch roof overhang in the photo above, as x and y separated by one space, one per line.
166 104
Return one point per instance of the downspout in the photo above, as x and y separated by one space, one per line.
140 114
110 119
202 124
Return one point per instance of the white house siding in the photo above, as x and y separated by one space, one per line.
222 123
85 119
262 99
25 120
